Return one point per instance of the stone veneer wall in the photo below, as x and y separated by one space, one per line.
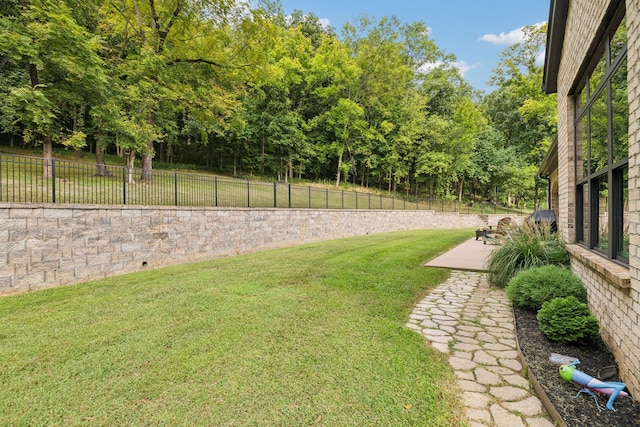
52 245
616 306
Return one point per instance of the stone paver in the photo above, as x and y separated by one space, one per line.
472 322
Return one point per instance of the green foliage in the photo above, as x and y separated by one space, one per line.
525 247
529 289
257 92
76 140
567 320
524 115
27 104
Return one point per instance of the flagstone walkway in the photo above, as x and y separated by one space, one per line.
473 324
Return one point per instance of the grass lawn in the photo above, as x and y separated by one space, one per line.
309 335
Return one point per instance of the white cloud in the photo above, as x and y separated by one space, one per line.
504 39
324 22
507 39
429 66
462 66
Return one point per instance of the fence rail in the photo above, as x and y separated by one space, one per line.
32 180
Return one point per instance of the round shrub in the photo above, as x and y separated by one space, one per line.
567 320
529 289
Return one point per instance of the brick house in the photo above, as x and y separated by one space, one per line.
592 63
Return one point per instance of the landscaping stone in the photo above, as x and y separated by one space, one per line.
473 323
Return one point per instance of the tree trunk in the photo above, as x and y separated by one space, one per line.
262 156
101 168
339 168
130 161
47 143
161 149
147 165
460 186
235 162
47 154
77 126
147 158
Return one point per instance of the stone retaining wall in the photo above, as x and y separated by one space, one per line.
50 245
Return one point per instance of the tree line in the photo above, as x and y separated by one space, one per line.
242 88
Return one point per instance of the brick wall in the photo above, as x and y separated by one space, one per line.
52 245
617 307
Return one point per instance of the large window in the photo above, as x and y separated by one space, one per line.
602 148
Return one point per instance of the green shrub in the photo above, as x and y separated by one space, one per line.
567 320
525 247
529 289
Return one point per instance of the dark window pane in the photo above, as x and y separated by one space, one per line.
582 147
598 133
620 109
619 39
582 228
585 212
598 73
603 214
623 246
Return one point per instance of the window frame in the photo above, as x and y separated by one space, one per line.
586 179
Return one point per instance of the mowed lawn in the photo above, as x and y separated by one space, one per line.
302 336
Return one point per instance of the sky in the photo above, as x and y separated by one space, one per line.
475 31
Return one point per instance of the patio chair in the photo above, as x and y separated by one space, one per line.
494 236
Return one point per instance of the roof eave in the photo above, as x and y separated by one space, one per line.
558 11
550 162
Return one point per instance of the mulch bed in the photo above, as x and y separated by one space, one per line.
580 411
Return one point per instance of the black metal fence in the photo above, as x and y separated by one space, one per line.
32 180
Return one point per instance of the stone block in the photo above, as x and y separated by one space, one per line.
57 213
29 281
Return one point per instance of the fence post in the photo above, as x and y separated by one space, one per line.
175 187
289 195
215 191
356 200
124 185
342 199
309 197
327 197
248 193
275 194
53 178
393 203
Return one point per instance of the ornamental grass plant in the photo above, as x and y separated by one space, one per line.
524 247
